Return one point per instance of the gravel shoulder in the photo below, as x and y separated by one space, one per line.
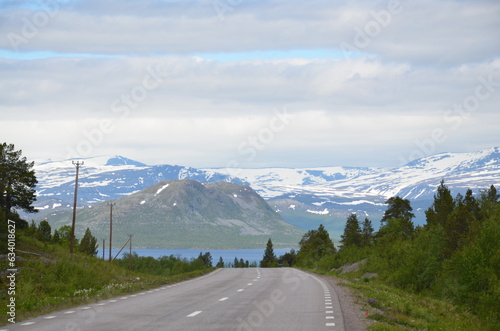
354 314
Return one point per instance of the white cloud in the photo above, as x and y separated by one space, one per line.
151 77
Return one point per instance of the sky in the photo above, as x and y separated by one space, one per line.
250 83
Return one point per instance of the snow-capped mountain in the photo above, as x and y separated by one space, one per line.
105 178
304 197
308 197
416 180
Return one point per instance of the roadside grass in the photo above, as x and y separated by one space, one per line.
394 309
50 279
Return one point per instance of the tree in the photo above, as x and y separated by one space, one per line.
492 195
316 244
367 233
65 235
206 258
488 201
287 259
220 264
398 208
352 232
17 181
44 231
441 208
56 238
269 260
88 244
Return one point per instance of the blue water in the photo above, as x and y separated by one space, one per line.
252 255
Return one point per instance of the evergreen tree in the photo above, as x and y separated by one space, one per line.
220 264
56 238
488 201
492 195
269 260
44 231
88 244
398 208
352 232
316 244
441 208
236 263
17 183
206 259
367 233
457 229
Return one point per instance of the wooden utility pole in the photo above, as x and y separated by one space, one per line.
77 164
130 254
111 204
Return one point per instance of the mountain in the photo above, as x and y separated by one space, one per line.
187 214
309 197
106 178
304 197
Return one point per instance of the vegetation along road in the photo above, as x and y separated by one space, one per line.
226 299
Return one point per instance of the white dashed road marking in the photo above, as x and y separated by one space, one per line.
194 314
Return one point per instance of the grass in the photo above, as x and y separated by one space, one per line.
51 279
391 308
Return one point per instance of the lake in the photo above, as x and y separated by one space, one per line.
228 255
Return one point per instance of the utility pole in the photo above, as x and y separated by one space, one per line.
103 247
111 204
130 254
77 164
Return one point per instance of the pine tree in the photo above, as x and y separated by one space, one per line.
206 259
88 245
398 208
44 231
492 195
316 244
441 208
220 264
352 232
367 233
56 238
269 260
17 183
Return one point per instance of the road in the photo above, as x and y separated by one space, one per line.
226 299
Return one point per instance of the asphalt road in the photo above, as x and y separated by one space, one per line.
226 299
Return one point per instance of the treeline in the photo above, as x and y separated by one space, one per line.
164 265
454 256
62 236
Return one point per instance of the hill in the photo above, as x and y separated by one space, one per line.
187 214
304 197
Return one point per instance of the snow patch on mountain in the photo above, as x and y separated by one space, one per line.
161 189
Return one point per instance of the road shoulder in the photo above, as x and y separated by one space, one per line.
354 314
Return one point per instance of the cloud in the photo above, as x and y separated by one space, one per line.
366 80
429 32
